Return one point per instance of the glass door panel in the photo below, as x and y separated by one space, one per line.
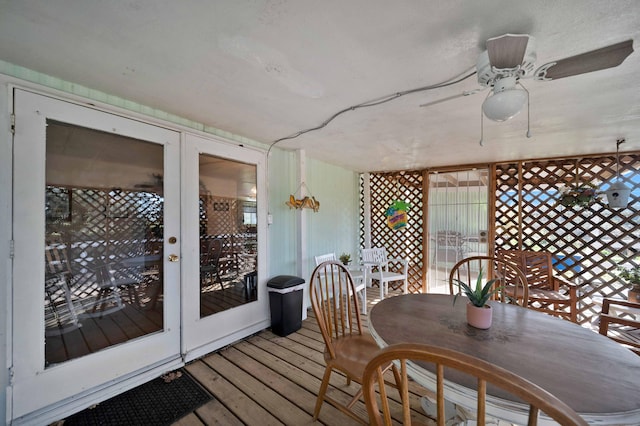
103 240
224 244
228 234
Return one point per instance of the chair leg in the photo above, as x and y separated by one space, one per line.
321 392
355 398
573 304
364 300
218 278
399 381
72 309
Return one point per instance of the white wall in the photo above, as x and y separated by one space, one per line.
334 228
282 232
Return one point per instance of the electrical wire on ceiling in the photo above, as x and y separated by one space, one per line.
384 99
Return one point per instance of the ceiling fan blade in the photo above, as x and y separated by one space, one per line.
448 98
438 101
507 51
595 60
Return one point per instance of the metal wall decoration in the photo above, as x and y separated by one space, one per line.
303 203
306 202
397 214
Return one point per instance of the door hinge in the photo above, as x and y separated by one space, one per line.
12 249
11 376
13 124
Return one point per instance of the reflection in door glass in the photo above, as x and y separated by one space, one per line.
228 234
103 240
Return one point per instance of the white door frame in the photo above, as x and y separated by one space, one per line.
204 335
36 390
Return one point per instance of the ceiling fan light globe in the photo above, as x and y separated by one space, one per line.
504 105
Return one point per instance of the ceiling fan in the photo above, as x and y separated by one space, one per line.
511 57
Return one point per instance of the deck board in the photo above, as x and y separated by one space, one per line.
260 393
234 399
306 383
268 379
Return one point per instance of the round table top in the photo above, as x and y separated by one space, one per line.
589 372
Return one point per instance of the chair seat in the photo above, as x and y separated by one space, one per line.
624 329
544 285
357 274
539 294
360 287
352 354
207 268
390 276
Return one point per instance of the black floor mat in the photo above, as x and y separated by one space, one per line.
154 403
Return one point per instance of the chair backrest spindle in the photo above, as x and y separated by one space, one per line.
438 358
509 278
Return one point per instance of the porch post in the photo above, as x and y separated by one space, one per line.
367 210
302 265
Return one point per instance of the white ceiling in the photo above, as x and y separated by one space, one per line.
266 69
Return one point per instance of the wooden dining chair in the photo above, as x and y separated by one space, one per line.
210 253
509 279
487 374
378 266
358 275
623 329
547 292
348 348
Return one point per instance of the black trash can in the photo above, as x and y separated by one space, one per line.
285 301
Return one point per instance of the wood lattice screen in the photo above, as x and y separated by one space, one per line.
99 226
588 243
221 217
405 242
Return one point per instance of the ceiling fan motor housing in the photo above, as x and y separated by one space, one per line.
489 74
505 83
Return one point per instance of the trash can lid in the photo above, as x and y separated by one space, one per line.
284 281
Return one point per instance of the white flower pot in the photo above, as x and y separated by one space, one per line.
479 317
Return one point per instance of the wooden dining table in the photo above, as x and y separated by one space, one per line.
594 375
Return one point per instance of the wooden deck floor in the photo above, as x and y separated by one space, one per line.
271 380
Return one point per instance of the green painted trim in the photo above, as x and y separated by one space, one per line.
32 76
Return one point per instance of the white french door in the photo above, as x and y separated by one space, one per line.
96 290
136 250
224 215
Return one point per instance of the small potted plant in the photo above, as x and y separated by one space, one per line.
345 258
632 277
479 313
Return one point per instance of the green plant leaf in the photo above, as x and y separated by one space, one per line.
481 294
